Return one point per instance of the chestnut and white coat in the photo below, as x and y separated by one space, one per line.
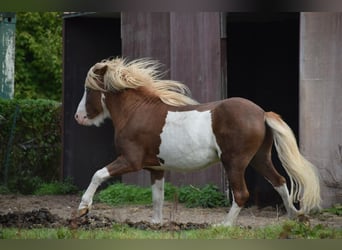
158 127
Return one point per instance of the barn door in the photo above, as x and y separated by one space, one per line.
86 40
263 66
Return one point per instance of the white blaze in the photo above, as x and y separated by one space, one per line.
187 141
81 113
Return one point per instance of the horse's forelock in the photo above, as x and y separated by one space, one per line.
94 80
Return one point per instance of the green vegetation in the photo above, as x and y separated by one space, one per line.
208 196
287 230
30 132
119 193
336 209
56 188
30 137
298 230
38 55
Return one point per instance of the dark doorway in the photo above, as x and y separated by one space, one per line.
263 66
87 39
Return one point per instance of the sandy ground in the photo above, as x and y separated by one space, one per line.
63 207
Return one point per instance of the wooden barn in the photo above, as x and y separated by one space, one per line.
289 63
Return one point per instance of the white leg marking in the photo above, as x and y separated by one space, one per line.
284 193
232 215
158 200
98 178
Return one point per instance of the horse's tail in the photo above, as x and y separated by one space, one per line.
305 186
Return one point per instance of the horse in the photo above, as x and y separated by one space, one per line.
160 127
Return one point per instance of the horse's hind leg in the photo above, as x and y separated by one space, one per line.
263 164
235 169
265 168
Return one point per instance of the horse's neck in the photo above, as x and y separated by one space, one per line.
122 105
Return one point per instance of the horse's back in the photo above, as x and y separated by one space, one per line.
238 111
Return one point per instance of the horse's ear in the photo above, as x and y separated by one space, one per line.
100 69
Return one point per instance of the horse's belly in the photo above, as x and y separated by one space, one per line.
187 141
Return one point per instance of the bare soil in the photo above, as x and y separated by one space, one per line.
56 211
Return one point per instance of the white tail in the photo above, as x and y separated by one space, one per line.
305 186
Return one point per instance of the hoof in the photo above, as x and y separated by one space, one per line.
157 223
293 214
83 211
303 219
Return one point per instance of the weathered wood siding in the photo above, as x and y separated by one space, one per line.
145 35
189 45
196 61
320 99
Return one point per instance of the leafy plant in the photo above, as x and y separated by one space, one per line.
33 156
299 230
4 190
119 193
56 188
208 197
38 55
336 209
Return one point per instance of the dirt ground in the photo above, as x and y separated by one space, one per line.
54 211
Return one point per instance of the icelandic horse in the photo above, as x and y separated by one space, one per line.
159 127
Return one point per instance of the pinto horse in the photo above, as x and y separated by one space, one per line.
159 127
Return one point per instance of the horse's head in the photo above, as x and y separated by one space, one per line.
92 109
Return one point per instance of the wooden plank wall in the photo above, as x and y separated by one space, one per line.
189 45
196 61
145 35
320 99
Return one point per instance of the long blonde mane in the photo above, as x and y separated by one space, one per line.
121 74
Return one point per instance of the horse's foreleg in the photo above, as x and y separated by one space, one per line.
157 181
117 167
87 199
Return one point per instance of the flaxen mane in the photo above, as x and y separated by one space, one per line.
121 75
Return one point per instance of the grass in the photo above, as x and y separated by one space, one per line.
287 230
